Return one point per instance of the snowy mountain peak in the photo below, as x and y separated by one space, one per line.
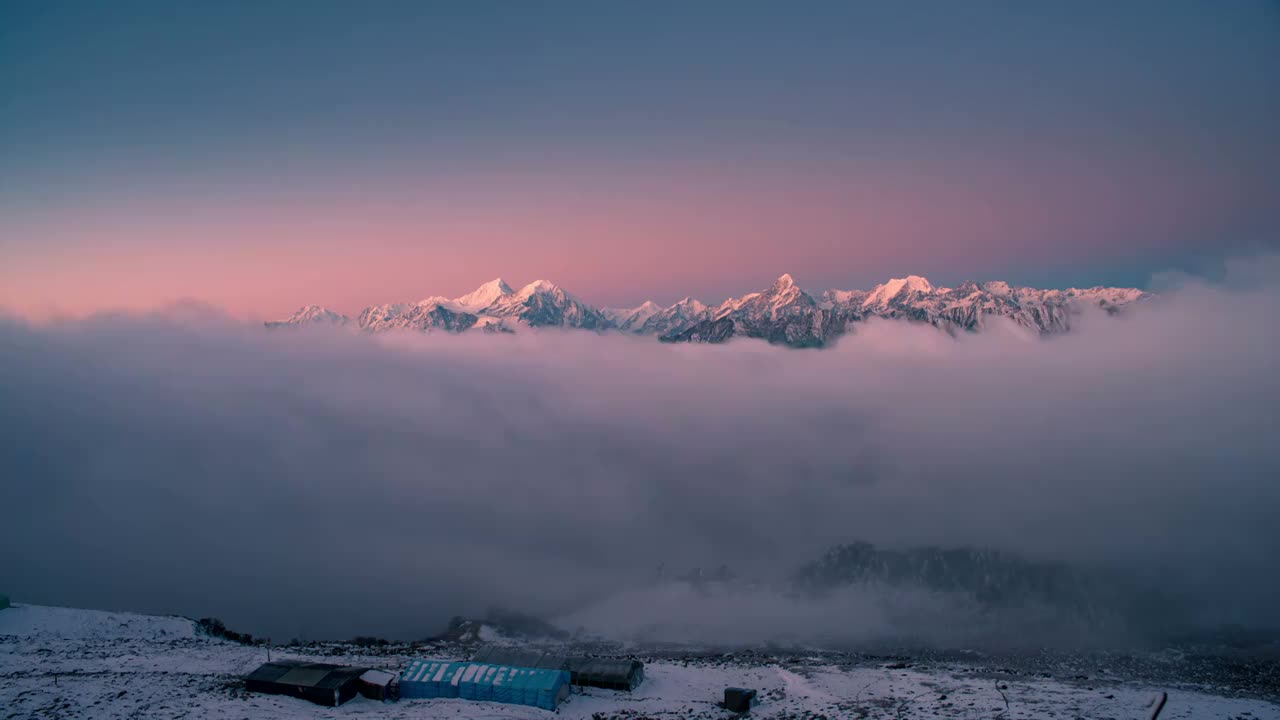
898 289
538 286
666 320
315 311
483 296
647 306
543 304
310 315
998 287
648 309
632 319
785 293
911 283
843 297
691 304
1107 295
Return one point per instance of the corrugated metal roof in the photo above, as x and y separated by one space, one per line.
542 688
304 674
309 677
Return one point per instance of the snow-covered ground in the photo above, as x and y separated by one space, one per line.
67 663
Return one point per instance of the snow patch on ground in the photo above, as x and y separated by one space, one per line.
58 663
30 621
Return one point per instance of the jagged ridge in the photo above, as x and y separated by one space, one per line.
782 313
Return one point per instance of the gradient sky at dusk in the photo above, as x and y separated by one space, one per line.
263 155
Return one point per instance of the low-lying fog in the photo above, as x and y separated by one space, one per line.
327 484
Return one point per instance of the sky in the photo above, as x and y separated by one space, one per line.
259 156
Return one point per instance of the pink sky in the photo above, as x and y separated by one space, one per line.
702 231
263 156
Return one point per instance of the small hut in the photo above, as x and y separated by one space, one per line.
380 685
606 673
321 683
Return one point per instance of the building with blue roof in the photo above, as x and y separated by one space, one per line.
537 687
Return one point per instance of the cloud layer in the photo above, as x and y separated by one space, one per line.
328 484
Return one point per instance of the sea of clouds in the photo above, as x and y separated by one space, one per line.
326 484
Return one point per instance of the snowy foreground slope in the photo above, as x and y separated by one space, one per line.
66 663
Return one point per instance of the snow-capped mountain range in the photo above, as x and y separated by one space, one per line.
783 313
